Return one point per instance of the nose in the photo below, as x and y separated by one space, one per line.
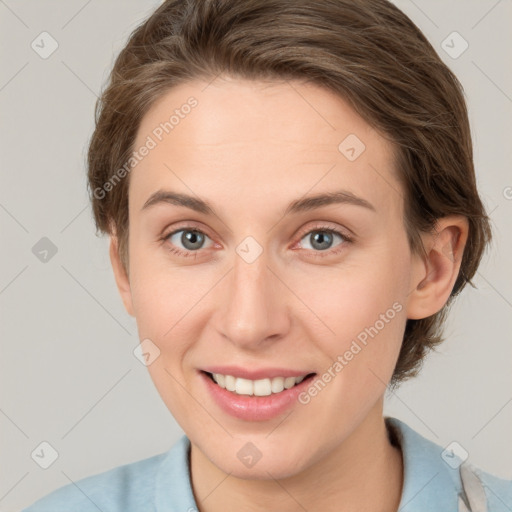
253 304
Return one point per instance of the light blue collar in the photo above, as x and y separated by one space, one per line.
429 483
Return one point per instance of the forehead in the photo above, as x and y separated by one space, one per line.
274 139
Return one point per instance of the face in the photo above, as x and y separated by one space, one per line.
263 282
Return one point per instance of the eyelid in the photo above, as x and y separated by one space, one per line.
344 232
184 225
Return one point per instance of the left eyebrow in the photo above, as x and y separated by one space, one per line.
319 200
300 205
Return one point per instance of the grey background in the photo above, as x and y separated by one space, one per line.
68 373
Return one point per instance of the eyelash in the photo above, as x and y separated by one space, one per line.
317 254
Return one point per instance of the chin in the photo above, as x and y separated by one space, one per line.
262 470
263 458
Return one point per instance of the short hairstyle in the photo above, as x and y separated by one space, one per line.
366 51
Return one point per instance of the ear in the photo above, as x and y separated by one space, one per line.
121 277
434 275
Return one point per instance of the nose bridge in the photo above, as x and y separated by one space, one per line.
253 308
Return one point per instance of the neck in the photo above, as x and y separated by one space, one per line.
365 472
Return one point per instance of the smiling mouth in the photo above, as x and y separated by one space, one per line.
260 387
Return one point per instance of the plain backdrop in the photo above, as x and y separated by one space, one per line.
68 373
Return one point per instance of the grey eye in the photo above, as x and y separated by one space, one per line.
321 239
190 239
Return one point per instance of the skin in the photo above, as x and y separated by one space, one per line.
250 148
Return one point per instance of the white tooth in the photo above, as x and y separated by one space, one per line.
289 382
220 379
277 384
244 387
262 387
230 382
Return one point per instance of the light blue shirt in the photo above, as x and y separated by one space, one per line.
161 483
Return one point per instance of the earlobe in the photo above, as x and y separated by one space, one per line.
434 275
120 275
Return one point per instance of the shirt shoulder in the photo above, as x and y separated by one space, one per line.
436 475
157 484
125 488
483 487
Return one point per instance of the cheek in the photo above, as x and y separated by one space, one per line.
161 293
349 298
164 302
169 304
360 354
360 316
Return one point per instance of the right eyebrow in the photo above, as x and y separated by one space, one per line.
166 196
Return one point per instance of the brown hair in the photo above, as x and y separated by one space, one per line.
366 51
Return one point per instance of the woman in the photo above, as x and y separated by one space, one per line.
290 195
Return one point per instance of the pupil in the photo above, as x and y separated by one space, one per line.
322 236
191 237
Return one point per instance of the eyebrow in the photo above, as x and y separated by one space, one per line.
300 205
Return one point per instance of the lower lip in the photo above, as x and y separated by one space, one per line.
254 408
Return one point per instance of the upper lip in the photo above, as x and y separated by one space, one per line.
255 373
